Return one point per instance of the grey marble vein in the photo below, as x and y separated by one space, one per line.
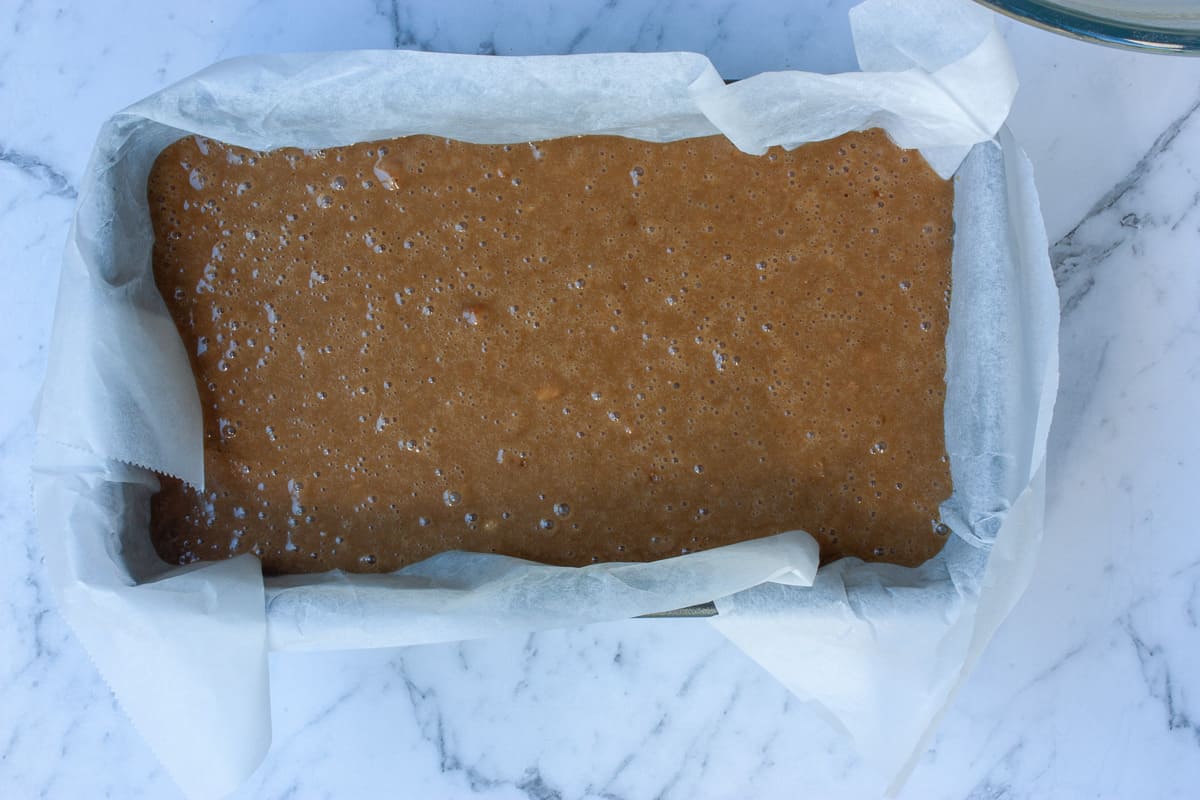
53 181
434 730
1093 239
1161 682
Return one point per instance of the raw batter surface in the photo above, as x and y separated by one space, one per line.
574 350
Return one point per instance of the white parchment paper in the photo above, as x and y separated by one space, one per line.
185 649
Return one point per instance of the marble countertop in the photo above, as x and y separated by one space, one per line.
1090 689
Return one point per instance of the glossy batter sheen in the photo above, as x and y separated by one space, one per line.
577 350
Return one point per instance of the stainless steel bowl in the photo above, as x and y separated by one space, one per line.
1162 26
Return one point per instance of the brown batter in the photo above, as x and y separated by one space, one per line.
569 351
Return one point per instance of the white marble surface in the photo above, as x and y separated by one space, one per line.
1091 688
